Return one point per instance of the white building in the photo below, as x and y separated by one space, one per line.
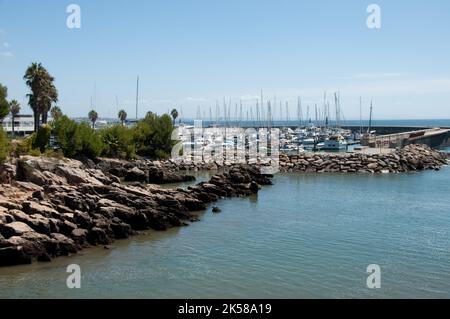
23 124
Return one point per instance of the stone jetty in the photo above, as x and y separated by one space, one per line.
411 158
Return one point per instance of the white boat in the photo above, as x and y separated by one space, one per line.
335 143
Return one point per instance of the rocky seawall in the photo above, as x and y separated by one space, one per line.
58 207
409 159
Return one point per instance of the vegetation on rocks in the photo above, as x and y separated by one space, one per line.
153 136
4 105
4 146
41 138
118 142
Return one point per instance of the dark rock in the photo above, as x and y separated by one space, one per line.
136 175
97 236
79 236
14 255
14 229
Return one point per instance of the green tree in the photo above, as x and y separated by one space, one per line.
43 92
91 144
41 139
14 106
174 114
122 116
153 136
76 139
4 145
56 112
4 105
67 136
93 116
118 142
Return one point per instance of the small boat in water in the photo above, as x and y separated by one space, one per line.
335 143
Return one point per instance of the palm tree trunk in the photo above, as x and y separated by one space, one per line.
44 117
36 120
13 120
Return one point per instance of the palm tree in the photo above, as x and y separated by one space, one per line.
122 116
43 92
93 116
56 112
14 106
174 114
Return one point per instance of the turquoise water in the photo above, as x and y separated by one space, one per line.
308 236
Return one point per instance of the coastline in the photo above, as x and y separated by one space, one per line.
58 207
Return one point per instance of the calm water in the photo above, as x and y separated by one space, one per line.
308 236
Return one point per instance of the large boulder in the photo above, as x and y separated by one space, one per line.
76 176
42 208
14 229
136 175
14 255
61 245
37 222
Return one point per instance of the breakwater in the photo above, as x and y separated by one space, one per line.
411 158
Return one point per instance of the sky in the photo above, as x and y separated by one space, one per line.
191 53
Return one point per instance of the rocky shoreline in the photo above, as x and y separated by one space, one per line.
52 207
58 207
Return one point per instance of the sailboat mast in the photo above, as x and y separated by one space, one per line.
360 116
370 118
137 96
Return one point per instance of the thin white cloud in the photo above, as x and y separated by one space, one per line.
7 54
374 76
195 99
6 44
131 101
249 97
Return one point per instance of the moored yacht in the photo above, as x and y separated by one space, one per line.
335 143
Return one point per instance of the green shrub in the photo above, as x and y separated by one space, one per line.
118 142
4 145
41 139
54 153
23 147
91 142
76 139
67 135
153 136
34 152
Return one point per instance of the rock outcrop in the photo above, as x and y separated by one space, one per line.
57 207
146 171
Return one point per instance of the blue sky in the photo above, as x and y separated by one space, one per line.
190 53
